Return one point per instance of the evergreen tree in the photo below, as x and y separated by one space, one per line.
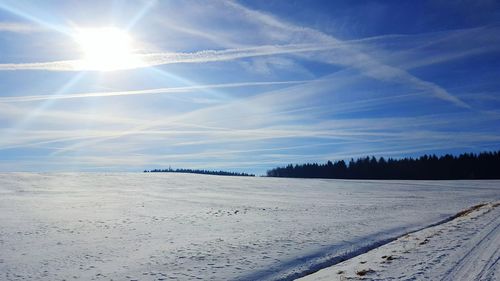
485 165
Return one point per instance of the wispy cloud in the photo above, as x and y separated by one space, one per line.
172 90
155 59
65 65
349 55
19 27
326 98
346 53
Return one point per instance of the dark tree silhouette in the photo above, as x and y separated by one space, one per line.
204 172
485 165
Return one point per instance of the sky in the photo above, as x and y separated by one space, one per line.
244 85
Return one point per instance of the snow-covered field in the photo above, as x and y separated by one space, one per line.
184 227
466 248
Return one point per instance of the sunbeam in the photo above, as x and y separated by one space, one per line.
46 23
140 14
45 105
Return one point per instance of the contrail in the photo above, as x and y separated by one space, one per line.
349 56
149 91
155 59
19 27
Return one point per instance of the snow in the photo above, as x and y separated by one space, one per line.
135 226
466 248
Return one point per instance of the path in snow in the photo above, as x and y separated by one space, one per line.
466 248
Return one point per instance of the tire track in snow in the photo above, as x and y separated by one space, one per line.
479 251
468 251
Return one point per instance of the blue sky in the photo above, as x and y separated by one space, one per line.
245 85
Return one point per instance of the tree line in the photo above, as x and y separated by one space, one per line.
485 165
195 171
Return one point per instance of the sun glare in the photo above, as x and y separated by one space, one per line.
106 49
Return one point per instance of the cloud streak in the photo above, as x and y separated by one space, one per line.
156 59
17 27
172 90
347 55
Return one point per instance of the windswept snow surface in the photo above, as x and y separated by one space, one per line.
184 227
466 248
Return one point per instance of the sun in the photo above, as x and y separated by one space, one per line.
106 49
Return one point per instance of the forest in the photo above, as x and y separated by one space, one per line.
195 171
485 165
